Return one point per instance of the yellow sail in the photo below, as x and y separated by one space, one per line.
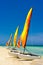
23 37
15 36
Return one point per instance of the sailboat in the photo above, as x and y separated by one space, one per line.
23 39
9 43
12 50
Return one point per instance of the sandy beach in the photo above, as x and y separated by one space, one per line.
6 59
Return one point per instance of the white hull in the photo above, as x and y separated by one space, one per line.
14 54
27 57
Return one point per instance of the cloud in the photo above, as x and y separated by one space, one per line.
36 39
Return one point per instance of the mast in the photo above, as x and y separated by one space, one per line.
24 34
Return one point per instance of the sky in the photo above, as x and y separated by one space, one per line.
14 12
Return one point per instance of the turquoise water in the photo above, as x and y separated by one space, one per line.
33 49
38 50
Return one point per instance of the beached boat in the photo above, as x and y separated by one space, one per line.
13 51
15 39
28 56
23 39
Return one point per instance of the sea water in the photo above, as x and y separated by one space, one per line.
38 50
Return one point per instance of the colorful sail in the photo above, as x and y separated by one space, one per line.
9 43
15 36
18 44
23 37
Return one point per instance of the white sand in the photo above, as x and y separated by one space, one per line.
6 59
37 61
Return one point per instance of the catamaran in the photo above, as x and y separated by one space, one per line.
12 50
23 39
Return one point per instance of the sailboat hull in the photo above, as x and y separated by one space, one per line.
27 57
14 53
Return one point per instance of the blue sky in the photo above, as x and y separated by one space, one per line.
14 12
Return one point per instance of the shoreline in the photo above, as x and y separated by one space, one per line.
6 59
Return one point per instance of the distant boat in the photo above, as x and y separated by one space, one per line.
9 43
